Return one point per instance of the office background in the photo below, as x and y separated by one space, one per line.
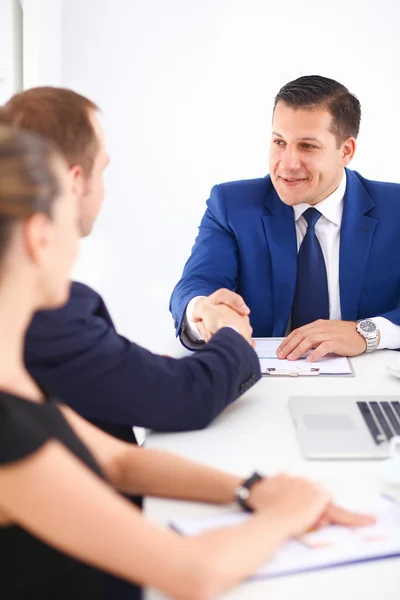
186 89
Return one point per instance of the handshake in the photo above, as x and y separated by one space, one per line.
223 308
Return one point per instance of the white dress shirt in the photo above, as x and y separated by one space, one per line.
327 230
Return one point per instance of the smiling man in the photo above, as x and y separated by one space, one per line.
310 251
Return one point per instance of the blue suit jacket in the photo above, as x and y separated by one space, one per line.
247 243
76 352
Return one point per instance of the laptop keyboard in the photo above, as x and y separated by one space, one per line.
382 419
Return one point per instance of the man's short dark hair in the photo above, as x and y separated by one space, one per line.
314 91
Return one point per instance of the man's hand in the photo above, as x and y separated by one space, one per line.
324 337
222 297
214 317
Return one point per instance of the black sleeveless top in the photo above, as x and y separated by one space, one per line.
29 568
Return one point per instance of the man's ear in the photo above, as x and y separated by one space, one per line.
77 181
348 150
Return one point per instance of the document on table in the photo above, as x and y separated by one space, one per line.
328 365
328 547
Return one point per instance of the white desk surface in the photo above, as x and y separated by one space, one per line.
256 433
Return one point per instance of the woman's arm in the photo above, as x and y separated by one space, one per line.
144 471
59 500
140 471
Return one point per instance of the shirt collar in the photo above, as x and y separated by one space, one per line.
331 207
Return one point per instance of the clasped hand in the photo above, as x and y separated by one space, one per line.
223 308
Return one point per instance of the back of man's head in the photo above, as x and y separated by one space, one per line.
69 120
315 91
60 115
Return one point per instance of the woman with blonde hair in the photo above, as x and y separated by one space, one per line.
62 520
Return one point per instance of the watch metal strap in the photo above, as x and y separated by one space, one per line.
371 344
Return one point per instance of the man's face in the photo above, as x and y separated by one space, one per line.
306 164
92 196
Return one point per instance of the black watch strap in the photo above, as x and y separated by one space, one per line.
242 492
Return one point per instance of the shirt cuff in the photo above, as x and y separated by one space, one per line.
190 327
390 334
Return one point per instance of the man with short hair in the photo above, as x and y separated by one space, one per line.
76 350
310 249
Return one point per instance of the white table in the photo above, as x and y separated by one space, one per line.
256 432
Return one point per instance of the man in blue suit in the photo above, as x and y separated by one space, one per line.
311 249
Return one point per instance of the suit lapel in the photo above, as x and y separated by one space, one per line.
356 234
280 232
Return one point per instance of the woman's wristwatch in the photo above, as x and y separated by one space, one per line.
242 491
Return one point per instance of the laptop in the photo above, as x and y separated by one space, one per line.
345 427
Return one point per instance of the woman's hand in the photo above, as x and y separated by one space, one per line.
302 504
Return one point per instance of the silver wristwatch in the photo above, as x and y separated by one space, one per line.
370 333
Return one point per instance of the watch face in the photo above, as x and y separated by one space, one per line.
243 492
367 326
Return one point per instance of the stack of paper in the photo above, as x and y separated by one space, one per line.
328 547
328 365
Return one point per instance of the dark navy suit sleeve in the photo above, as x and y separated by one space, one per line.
77 352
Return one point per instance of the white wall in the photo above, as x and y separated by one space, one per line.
10 48
41 42
187 89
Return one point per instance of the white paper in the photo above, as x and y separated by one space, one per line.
328 365
328 547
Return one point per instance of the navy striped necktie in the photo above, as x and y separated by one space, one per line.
311 298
